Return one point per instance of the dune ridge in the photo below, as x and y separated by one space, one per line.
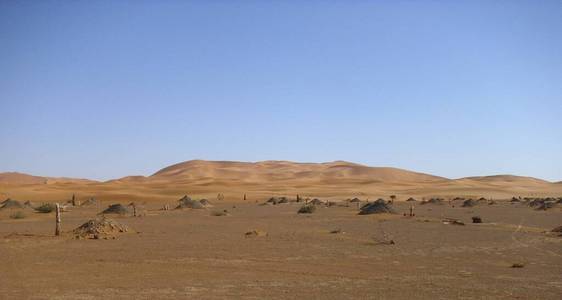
264 178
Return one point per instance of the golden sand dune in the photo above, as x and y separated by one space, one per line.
288 170
262 179
21 178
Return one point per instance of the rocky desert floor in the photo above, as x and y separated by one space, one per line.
332 253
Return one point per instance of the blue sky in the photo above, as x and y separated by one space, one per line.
107 89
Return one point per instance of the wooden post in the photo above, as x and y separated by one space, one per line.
411 210
57 212
244 197
134 210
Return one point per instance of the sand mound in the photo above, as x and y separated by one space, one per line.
316 201
437 201
187 202
378 207
100 228
91 201
278 200
9 203
205 202
469 203
546 205
543 203
116 209
29 204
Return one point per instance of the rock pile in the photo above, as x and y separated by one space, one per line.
116 209
378 207
9 203
100 229
187 202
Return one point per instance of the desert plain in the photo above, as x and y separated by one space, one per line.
250 242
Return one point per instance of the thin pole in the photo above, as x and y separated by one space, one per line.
57 227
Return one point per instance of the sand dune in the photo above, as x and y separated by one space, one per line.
21 178
262 179
288 170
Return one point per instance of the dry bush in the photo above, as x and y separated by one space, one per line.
17 215
46 208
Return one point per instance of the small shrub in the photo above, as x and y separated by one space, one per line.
307 209
17 215
46 208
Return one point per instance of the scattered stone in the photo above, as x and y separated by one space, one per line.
278 200
337 231
220 213
452 221
557 230
476 219
518 265
255 233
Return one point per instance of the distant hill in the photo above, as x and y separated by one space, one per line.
22 178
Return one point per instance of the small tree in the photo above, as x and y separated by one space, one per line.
392 198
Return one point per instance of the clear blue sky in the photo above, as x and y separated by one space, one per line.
104 89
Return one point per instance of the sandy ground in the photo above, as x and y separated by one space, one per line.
182 254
